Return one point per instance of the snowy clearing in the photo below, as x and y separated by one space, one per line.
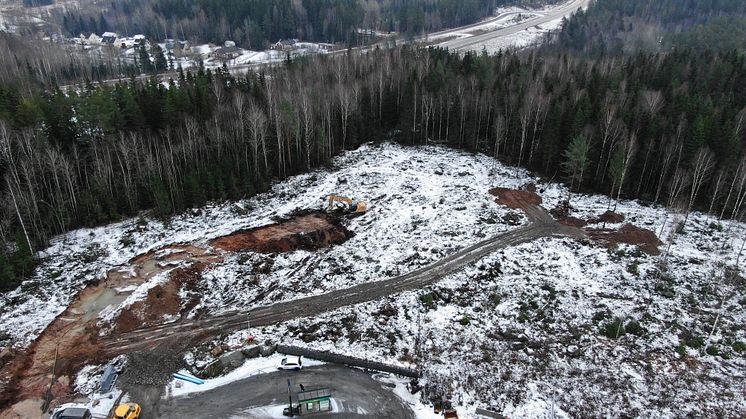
529 330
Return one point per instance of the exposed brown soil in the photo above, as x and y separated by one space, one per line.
72 338
645 239
517 199
573 222
310 231
609 217
162 300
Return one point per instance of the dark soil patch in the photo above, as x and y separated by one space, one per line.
516 199
573 222
307 232
645 239
162 300
608 217
561 211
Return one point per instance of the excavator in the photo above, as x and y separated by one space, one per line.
349 205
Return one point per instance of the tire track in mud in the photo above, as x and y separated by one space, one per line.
541 225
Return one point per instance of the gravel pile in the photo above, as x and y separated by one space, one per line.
151 368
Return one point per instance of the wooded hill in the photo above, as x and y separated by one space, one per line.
666 127
661 25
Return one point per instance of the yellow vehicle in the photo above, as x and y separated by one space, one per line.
127 411
349 205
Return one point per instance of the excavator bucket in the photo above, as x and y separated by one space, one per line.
349 205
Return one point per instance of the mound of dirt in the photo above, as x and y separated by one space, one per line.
610 217
562 210
307 232
516 199
645 239
573 222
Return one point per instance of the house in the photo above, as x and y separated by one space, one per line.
284 45
132 42
109 38
226 53
93 39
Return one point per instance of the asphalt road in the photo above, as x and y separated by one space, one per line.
354 392
541 225
472 41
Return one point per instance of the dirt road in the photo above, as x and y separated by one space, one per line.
541 225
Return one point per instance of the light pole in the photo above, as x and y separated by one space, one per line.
290 398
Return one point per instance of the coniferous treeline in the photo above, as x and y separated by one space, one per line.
256 23
667 128
633 25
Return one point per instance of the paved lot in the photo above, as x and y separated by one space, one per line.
355 394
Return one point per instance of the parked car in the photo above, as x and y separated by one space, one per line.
72 411
291 363
127 411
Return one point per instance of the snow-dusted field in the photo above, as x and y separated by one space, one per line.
528 330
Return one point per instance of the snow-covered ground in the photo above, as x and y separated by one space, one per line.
250 368
528 330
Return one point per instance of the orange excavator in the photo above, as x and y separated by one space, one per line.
348 205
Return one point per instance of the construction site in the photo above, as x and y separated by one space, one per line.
476 284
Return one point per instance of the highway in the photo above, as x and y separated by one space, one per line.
475 42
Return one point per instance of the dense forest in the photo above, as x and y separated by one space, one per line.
256 23
32 65
655 25
663 126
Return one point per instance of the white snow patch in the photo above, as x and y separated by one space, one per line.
250 368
